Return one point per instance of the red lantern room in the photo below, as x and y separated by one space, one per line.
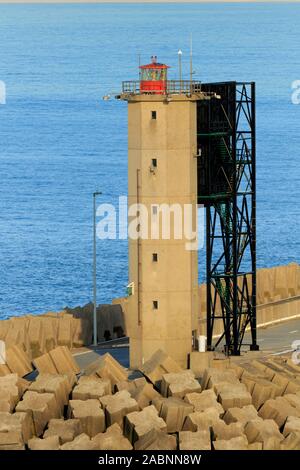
153 77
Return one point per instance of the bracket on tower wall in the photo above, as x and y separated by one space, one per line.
226 186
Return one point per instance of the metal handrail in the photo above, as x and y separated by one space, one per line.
172 87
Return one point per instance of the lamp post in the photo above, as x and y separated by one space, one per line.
180 68
95 194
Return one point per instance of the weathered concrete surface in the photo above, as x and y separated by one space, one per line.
156 440
201 420
81 442
262 391
199 361
107 367
199 440
63 360
213 377
52 383
240 415
278 409
118 406
178 384
11 390
263 431
202 401
90 414
112 439
173 411
291 442
235 443
140 423
144 395
47 443
19 425
225 431
91 387
65 430
18 361
292 424
57 361
130 385
42 406
158 365
233 395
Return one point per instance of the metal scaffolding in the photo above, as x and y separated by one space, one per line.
226 186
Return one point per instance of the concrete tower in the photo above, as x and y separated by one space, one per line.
162 309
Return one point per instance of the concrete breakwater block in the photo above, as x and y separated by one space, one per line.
178 384
291 442
173 411
240 415
212 377
292 424
158 365
12 388
235 443
18 361
130 385
48 443
144 395
233 395
81 442
264 431
57 361
199 361
278 409
107 367
117 406
41 406
156 440
59 385
65 430
199 440
223 431
201 420
91 387
16 428
202 401
112 439
90 415
140 423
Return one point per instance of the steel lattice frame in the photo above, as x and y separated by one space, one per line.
226 186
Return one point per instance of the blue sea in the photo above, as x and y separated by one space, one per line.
60 141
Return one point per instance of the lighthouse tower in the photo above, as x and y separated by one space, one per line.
162 305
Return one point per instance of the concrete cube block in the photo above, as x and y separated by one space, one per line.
92 388
233 395
81 442
278 409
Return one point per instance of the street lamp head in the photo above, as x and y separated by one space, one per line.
180 52
97 193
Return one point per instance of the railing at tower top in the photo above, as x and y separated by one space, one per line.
172 87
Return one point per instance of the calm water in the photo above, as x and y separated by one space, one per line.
60 141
